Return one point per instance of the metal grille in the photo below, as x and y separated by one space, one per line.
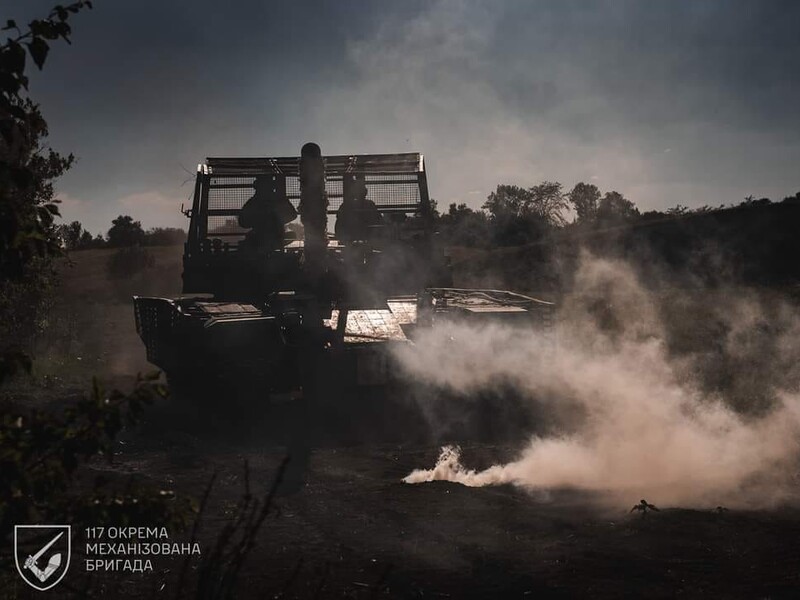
293 190
393 195
392 181
224 225
229 198
408 162
226 199
155 318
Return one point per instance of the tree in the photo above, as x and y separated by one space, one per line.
41 450
520 215
615 208
506 202
457 213
164 236
71 234
751 201
86 241
463 226
507 213
792 199
125 232
27 167
584 198
548 203
678 210
28 208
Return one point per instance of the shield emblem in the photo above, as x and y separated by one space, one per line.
42 553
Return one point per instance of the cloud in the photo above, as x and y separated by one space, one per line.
528 92
70 204
507 92
153 208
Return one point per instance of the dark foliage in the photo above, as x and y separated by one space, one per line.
584 199
462 226
753 241
25 305
520 216
41 452
27 167
164 236
792 199
73 236
614 209
125 232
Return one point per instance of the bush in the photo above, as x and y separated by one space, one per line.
164 236
25 305
127 262
125 232
41 452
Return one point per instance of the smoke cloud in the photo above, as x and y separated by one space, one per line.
632 415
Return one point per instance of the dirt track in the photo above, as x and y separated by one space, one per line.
356 530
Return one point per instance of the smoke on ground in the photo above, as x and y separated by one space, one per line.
635 417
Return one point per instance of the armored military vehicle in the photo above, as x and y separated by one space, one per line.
309 314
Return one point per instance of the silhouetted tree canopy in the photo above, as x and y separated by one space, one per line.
86 240
463 226
71 234
521 215
795 198
164 236
614 208
27 167
125 232
584 198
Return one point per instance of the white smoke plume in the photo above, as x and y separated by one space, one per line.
635 419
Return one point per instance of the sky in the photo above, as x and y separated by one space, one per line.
691 102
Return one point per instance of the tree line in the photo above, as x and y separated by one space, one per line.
124 233
513 215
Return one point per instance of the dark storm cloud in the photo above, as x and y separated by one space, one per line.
149 87
690 102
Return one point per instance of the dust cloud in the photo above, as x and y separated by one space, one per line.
634 417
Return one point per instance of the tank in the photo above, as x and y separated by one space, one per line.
313 309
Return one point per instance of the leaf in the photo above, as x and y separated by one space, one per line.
13 57
38 49
10 24
17 112
21 177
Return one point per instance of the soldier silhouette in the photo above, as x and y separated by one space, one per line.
266 214
357 215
